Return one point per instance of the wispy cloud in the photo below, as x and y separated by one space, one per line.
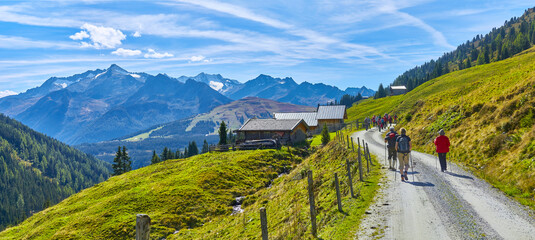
151 53
7 93
126 52
237 11
15 42
393 9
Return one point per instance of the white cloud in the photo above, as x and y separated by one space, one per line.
101 37
153 54
79 35
126 52
7 93
197 58
136 34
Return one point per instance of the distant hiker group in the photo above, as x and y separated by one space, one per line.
380 122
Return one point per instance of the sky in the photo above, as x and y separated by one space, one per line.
337 42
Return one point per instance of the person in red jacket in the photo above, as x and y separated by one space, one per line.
443 146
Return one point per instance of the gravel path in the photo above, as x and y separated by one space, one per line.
436 205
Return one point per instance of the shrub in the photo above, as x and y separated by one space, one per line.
408 117
325 137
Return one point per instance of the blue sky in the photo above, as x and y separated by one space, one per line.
337 42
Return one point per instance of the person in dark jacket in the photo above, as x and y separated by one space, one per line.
390 141
403 147
443 147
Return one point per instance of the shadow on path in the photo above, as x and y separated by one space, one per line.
460 176
421 184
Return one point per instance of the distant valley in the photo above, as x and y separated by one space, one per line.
177 134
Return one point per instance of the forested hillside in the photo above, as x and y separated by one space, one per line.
516 35
37 171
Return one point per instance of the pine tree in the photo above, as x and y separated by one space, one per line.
155 158
170 154
193 149
222 133
127 163
381 93
230 137
205 147
117 165
165 154
186 154
325 137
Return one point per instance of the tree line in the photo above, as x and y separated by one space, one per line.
37 171
515 36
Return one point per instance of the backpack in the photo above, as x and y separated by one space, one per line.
391 139
403 145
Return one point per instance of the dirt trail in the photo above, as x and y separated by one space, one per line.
436 205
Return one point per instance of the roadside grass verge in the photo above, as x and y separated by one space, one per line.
286 203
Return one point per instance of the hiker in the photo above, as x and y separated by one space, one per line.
395 118
367 123
390 141
381 124
403 147
390 120
443 147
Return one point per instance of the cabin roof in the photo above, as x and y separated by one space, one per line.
255 124
309 117
331 112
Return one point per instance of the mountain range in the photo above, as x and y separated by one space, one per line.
105 104
177 134
278 89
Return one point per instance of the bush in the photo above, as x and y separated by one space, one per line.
408 117
325 137
495 144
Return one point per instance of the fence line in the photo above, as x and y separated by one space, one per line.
143 221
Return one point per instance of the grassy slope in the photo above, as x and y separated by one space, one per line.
176 194
488 113
194 196
286 203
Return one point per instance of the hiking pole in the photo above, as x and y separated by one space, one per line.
436 162
385 154
412 166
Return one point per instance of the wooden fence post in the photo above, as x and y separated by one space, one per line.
338 197
312 203
263 223
360 167
350 179
347 137
142 227
352 145
367 162
368 153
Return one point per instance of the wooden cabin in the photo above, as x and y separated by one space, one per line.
333 116
397 90
286 131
